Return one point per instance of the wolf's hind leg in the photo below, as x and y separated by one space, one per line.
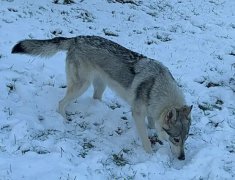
99 87
78 82
72 93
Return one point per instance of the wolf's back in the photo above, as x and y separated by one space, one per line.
44 48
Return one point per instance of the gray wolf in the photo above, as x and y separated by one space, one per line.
145 84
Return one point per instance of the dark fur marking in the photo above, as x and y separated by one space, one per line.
58 39
144 89
18 48
113 47
132 70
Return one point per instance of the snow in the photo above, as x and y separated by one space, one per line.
194 39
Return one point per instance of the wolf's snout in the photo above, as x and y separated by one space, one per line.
181 157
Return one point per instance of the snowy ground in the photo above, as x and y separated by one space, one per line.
195 39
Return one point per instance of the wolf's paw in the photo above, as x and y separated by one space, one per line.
148 148
62 113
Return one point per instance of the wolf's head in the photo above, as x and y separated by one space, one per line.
176 124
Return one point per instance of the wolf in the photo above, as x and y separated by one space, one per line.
145 84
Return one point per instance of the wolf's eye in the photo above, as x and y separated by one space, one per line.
176 140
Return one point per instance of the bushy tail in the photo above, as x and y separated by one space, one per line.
44 48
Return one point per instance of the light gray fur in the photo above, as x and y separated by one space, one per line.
146 84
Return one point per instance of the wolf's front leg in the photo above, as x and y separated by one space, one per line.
151 124
139 117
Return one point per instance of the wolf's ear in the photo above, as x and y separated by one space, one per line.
187 110
170 118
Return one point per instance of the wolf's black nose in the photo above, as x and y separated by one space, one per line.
181 157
